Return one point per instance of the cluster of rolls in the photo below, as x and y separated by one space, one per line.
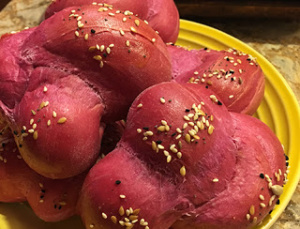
102 116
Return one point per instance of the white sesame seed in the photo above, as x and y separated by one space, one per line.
104 216
62 120
215 180
86 36
137 22
122 196
153 40
140 105
132 29
101 64
183 171
45 89
139 130
76 33
162 100
122 32
252 210
54 114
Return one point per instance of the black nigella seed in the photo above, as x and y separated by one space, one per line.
118 182
262 176
278 202
219 103
93 31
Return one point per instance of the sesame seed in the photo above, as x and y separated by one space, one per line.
34 126
121 222
31 121
248 216
132 29
62 120
113 219
166 153
169 158
252 210
146 22
261 197
45 89
136 211
101 64
153 40
54 114
86 37
148 133
124 19
137 22
215 180
145 138
159 146
140 105
139 130
92 225
161 128
154 146
122 32
35 135
97 57
162 100
179 155
76 33
183 171
80 24
178 136
121 211
122 196
111 45
210 129
108 50
186 118
31 131
127 43
92 48
111 14
277 190
262 205
231 96
254 220
102 48
33 112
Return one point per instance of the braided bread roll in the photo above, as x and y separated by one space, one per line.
184 161
66 76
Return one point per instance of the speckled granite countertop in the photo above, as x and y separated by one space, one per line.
278 41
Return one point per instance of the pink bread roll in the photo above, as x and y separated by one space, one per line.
162 15
51 200
184 161
234 76
66 76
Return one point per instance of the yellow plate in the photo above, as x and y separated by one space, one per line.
279 110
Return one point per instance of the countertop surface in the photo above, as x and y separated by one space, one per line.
277 39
